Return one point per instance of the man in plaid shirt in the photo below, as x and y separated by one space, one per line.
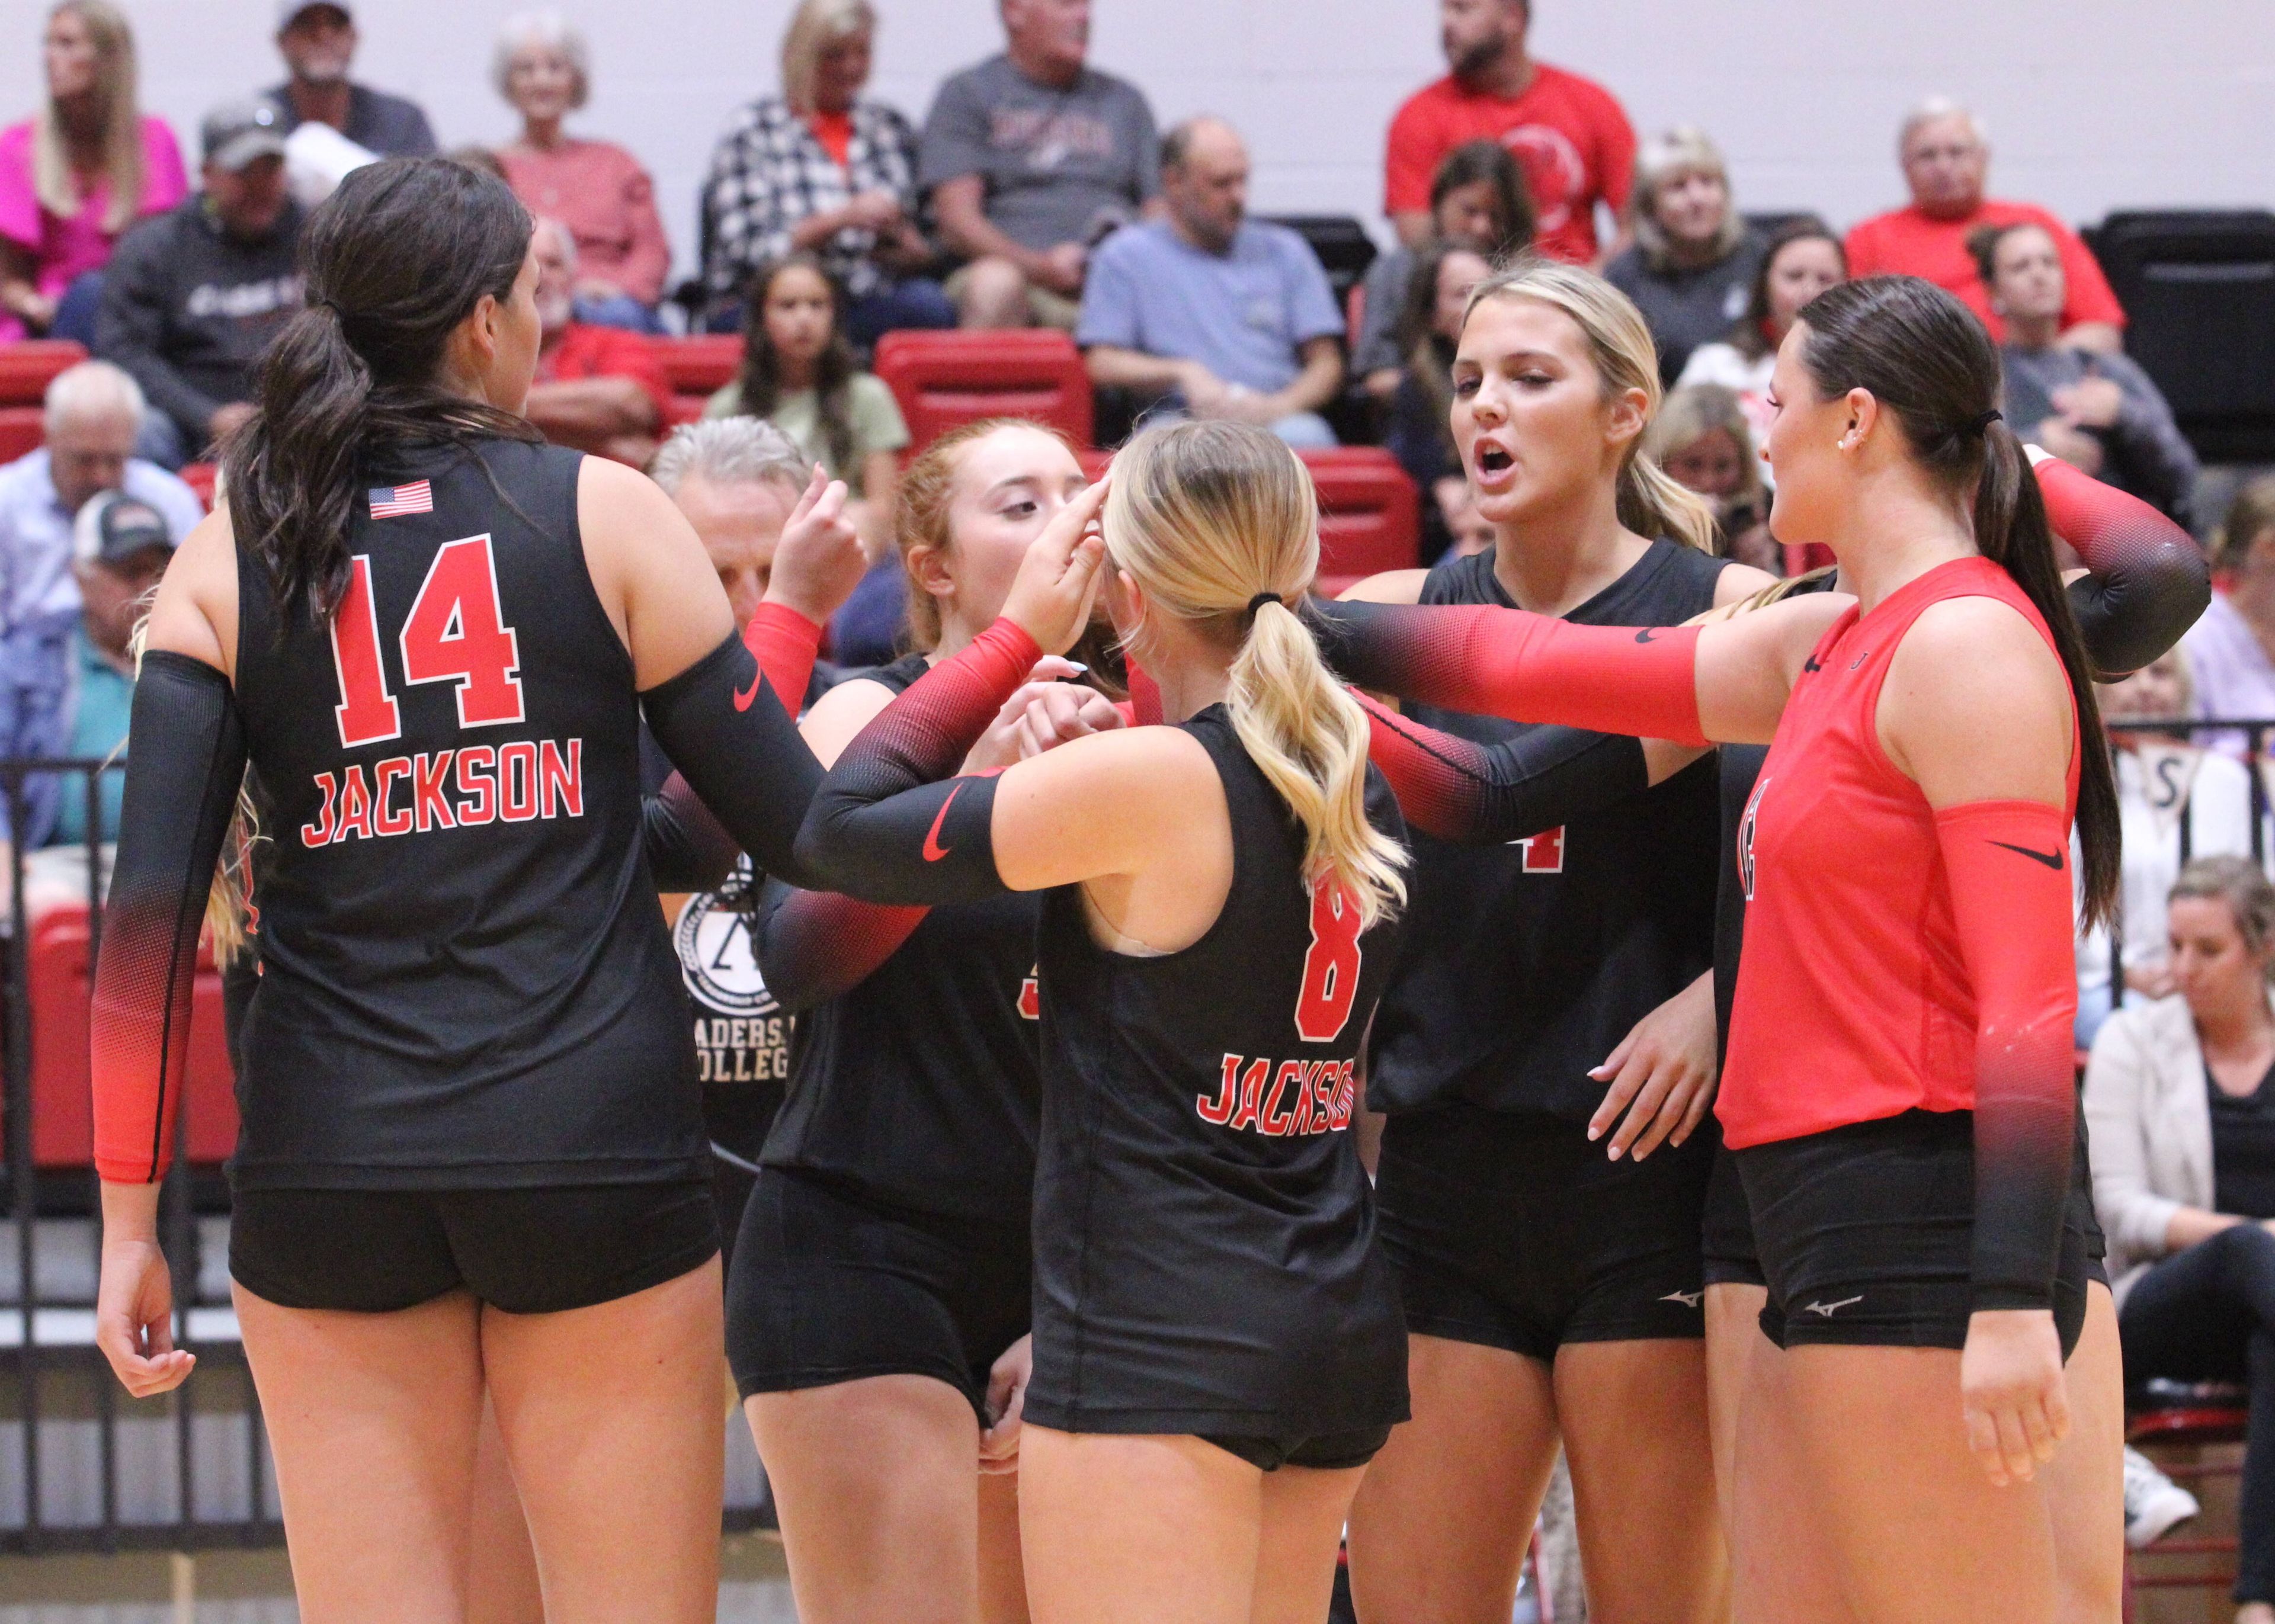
819 169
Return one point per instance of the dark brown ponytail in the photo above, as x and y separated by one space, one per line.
1928 361
395 260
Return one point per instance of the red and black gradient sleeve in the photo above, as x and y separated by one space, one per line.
814 946
2149 580
734 741
1527 667
182 776
785 644
2008 865
884 827
1482 795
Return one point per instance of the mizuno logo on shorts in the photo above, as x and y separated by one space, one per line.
1688 1299
1827 1309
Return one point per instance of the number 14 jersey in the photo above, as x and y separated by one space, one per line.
465 980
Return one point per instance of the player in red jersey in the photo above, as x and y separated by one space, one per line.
1899 1089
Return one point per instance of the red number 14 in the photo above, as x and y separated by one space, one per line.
455 632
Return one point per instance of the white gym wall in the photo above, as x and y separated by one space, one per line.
2093 104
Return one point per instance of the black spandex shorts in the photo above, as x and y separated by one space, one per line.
1324 1452
1728 1232
527 1251
1517 1233
1867 1235
829 1286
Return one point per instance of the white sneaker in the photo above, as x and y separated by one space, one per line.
2154 1504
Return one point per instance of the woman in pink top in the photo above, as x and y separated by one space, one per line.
596 189
76 174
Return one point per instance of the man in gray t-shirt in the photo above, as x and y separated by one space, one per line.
1219 315
1030 158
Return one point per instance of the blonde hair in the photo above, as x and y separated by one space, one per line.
1683 151
1205 516
52 179
1696 410
920 512
1650 501
815 27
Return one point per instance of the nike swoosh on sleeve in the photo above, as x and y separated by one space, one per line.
1645 636
933 851
2052 859
742 701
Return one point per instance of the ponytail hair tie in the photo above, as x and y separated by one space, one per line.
1258 601
1981 425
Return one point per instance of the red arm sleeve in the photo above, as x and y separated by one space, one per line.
814 946
2149 581
1453 788
1144 695
2007 863
182 777
1527 667
785 644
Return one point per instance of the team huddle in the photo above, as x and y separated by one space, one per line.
1112 916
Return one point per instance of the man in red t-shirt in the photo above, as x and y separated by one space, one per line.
1945 158
599 389
1569 133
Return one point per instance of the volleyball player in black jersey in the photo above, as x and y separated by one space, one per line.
882 1279
1551 1286
1217 1345
472 1144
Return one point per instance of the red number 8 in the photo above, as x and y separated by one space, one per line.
1331 967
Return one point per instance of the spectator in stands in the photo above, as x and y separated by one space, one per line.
1221 315
317 39
121 548
800 374
738 480
1570 132
1420 433
818 170
599 389
598 190
76 174
193 296
2096 410
2232 650
1030 158
93 414
2180 1102
1469 530
1799 262
2176 801
1477 200
1701 439
1945 158
1693 258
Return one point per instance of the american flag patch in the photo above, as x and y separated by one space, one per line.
394 501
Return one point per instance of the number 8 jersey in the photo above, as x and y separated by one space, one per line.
465 980
1206 1258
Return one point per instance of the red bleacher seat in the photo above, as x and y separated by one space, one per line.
62 1106
28 367
697 367
942 378
23 430
1370 516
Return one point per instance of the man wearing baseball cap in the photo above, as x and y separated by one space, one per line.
318 40
194 294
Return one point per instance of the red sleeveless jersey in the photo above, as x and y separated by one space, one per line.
1853 1002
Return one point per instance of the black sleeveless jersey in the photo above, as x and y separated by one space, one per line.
920 1087
465 981
1526 964
1205 1249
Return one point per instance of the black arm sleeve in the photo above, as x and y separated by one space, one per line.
186 761
2149 580
1482 795
735 744
687 849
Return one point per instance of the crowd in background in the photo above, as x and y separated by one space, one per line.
1040 190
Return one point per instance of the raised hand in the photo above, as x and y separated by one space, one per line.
1058 579
818 560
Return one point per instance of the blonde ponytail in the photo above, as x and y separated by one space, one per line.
1651 502
1209 518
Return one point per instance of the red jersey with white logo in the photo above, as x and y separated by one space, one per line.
1205 1249
1853 1002
465 979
